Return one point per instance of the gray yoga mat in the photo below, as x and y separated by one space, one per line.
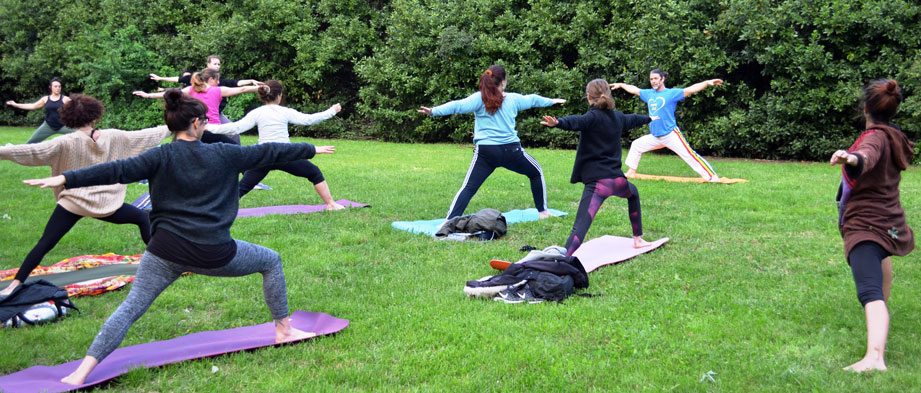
67 278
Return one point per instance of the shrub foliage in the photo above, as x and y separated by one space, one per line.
793 68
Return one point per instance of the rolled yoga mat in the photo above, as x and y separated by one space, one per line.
679 179
67 278
292 209
158 353
430 227
607 250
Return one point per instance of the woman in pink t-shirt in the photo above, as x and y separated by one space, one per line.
204 87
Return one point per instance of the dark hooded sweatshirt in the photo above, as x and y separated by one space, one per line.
872 210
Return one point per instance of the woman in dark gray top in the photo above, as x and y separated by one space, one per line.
52 102
193 187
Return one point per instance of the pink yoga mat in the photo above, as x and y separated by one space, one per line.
607 250
291 209
158 353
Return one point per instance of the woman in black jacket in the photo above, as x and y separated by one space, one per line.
598 161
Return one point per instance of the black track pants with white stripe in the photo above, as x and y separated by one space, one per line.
486 158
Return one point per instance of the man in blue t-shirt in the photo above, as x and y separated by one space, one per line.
664 132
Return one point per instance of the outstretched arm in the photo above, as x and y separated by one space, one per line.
628 88
232 91
697 87
32 154
148 95
253 82
156 77
158 94
238 127
305 119
465 105
35 105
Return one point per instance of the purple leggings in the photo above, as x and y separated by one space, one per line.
592 197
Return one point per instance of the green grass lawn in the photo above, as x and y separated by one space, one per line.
752 286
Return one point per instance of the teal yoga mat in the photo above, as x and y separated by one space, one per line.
430 227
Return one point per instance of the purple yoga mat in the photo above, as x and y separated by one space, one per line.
291 209
609 249
155 354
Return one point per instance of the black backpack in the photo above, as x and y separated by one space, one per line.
551 287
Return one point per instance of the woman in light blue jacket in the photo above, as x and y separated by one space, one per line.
495 137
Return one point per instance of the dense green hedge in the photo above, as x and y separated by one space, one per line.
792 68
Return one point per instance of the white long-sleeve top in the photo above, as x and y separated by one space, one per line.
272 121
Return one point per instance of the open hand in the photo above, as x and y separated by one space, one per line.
154 77
558 101
139 93
427 111
714 82
54 181
550 121
11 102
325 149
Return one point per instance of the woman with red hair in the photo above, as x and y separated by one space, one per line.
870 216
495 137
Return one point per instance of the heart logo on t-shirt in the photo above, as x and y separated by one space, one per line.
655 105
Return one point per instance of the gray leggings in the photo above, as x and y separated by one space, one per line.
155 274
44 131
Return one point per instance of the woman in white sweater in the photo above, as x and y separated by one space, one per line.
272 120
85 147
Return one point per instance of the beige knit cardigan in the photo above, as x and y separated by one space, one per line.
77 150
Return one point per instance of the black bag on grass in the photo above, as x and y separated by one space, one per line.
551 287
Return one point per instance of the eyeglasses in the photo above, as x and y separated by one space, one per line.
203 119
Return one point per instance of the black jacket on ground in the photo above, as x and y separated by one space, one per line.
599 153
28 295
490 220
561 266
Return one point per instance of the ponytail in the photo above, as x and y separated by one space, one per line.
489 88
200 79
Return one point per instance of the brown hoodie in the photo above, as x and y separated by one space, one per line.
873 211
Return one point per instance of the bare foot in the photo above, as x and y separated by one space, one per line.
334 206
292 335
638 242
78 377
285 333
868 363
8 290
74 379
544 214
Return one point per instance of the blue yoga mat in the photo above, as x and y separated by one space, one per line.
430 227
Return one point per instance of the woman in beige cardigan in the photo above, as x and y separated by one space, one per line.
85 147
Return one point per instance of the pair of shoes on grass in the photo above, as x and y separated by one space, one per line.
516 295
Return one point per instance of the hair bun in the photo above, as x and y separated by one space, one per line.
264 89
892 87
172 98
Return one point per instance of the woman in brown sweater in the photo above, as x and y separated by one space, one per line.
871 218
88 146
